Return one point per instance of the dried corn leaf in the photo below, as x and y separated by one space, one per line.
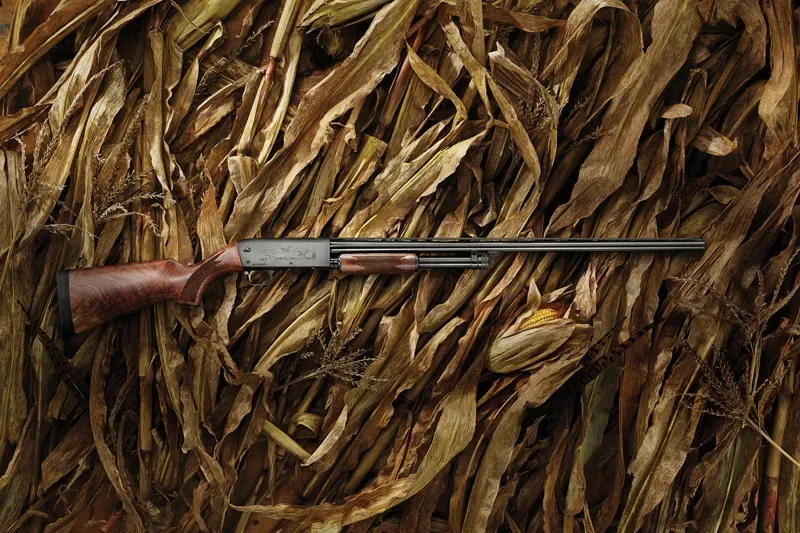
97 415
333 13
374 56
675 25
44 37
194 19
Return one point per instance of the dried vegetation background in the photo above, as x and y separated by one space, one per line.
142 129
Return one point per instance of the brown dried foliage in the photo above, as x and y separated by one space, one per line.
149 129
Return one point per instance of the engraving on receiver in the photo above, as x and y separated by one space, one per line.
287 253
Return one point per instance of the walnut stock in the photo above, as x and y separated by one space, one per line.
88 297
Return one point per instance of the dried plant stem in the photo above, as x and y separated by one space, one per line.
305 403
145 409
769 439
283 440
8 254
4 402
372 455
313 484
285 23
241 525
398 89
772 468
755 365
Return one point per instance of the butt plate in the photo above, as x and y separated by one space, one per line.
64 306
285 253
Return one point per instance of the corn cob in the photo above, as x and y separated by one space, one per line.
545 314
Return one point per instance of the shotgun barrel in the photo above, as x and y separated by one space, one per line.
515 245
88 297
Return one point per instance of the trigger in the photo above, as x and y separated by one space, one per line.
270 274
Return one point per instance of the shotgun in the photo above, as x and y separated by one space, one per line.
87 297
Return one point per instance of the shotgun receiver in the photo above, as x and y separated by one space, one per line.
90 296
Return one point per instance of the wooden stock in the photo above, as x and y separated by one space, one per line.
88 297
378 263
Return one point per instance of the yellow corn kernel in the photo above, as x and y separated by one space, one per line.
542 315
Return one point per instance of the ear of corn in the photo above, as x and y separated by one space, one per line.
543 315
558 342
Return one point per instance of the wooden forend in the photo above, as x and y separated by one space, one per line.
379 263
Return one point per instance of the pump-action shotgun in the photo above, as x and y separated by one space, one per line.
88 297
